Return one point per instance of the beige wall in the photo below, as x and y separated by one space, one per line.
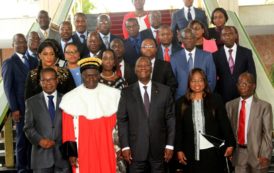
50 6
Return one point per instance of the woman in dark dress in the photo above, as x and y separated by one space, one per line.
110 78
201 127
219 18
47 52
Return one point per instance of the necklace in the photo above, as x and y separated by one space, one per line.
107 77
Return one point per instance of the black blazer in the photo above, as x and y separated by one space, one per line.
162 73
82 47
129 74
131 55
226 82
216 124
147 33
174 48
146 135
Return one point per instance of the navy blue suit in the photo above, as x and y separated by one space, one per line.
179 20
82 47
180 68
226 83
14 74
131 55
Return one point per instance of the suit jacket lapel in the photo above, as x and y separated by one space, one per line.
22 67
224 61
235 116
155 69
44 107
253 112
237 62
153 98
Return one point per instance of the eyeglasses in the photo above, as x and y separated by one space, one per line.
197 81
148 46
47 80
71 52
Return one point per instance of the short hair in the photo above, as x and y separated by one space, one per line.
117 40
250 76
219 10
142 58
132 20
165 26
70 44
17 35
101 16
187 30
43 12
79 14
48 70
152 12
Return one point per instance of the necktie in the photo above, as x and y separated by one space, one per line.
190 62
106 41
241 125
146 100
118 71
157 36
166 55
51 107
83 38
137 45
231 61
46 34
189 17
26 61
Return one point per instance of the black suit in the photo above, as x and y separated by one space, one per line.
111 38
129 74
147 33
216 123
162 73
146 135
131 54
226 82
174 48
82 47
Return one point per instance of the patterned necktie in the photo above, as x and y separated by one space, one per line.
166 55
146 100
190 62
51 107
189 16
83 38
118 71
106 41
26 61
231 61
46 34
241 125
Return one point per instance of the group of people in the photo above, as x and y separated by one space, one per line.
176 98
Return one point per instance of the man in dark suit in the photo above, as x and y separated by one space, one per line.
103 28
122 68
43 126
161 70
65 32
155 19
167 47
14 73
182 17
33 41
95 45
81 33
185 60
252 123
45 31
231 61
146 122
133 42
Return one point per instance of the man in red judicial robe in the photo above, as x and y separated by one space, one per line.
89 117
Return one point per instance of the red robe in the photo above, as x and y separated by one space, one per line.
93 134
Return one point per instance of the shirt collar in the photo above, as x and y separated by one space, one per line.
20 55
192 52
191 8
43 31
84 33
141 85
102 35
248 100
234 47
52 94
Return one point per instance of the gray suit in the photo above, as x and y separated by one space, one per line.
259 133
38 125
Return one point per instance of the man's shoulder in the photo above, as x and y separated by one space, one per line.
233 102
243 49
261 102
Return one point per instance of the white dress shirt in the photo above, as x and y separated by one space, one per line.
192 12
153 30
79 36
21 57
122 68
234 51
193 55
54 94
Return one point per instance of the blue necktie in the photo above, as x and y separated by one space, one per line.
190 62
189 16
26 61
51 107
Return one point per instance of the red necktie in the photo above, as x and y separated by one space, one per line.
157 36
166 55
241 125
118 71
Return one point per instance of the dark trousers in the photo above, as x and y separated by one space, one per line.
23 149
209 163
149 166
52 170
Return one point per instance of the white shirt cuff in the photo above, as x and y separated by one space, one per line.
169 147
